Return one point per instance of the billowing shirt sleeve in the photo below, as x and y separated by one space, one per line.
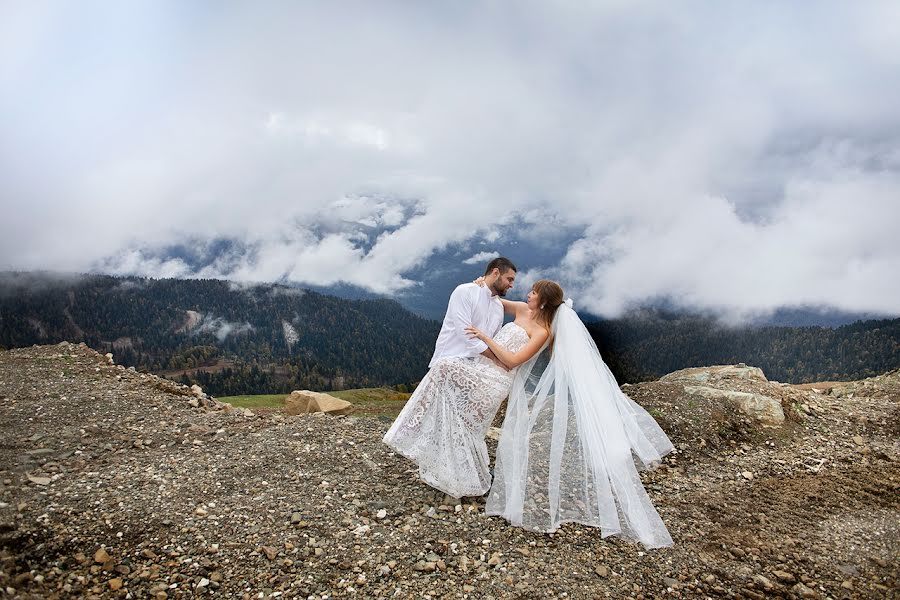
460 310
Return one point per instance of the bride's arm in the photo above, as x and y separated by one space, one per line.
511 307
512 359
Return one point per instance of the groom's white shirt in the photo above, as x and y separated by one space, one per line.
469 304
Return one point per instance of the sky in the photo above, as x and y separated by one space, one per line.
729 157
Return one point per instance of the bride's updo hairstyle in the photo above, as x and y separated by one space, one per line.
550 296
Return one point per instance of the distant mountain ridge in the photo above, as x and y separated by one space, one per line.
231 338
269 338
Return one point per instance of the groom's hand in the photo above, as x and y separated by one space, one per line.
473 331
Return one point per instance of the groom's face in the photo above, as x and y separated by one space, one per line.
503 282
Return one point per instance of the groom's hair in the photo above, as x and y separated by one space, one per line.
504 264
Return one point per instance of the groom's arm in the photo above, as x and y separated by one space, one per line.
461 310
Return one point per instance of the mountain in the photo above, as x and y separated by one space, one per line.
270 338
815 316
230 339
430 299
435 278
446 268
643 346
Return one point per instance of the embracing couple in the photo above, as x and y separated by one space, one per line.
570 437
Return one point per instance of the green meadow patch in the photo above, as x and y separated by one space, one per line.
257 401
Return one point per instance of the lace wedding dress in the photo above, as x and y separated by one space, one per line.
570 441
442 426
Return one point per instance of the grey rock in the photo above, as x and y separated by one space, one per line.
764 409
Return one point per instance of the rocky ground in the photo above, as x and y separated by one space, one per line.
116 484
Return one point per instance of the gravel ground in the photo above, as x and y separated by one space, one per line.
115 484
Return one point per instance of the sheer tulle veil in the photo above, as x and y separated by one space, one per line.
570 443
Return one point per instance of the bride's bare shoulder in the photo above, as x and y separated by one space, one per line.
535 329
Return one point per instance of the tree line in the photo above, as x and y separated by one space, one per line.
271 338
250 339
648 347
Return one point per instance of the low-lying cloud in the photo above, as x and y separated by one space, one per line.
221 328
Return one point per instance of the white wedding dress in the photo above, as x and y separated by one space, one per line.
443 424
569 443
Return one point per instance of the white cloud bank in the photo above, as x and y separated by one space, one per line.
730 158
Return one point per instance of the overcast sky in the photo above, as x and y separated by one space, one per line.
724 156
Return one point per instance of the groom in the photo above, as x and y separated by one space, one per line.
443 423
471 304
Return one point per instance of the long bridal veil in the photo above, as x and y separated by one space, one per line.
570 441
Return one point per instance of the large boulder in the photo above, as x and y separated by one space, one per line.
763 408
301 402
717 373
742 386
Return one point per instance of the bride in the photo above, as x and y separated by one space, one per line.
571 438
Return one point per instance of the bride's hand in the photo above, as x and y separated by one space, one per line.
475 332
479 282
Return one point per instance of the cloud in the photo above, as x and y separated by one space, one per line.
823 244
727 158
481 257
221 328
135 262
14 284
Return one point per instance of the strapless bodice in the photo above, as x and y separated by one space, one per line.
512 337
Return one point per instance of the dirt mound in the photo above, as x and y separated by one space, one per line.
114 483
